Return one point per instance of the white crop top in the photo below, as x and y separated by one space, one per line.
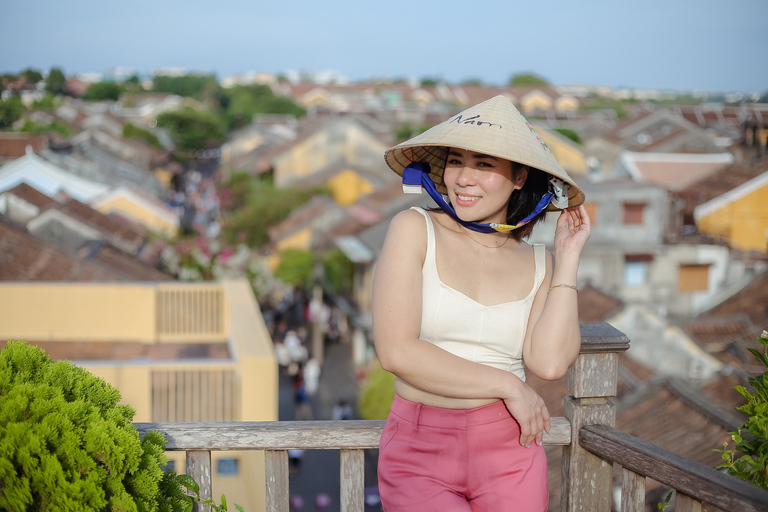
491 335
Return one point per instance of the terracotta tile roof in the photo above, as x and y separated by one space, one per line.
33 196
301 217
751 300
126 350
726 338
128 267
596 306
718 183
668 421
121 229
673 171
617 133
25 258
14 145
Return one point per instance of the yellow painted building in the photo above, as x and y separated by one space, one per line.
139 208
740 215
569 155
343 140
177 352
535 99
348 186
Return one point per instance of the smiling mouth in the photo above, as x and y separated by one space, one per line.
466 199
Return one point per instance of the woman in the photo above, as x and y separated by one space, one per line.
460 301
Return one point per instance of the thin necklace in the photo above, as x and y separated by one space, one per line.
462 228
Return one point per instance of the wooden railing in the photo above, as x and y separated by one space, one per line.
590 444
694 483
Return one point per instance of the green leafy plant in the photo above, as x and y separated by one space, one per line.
66 444
377 394
752 466
194 496
665 504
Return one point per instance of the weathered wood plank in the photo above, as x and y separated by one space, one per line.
276 471
685 503
686 476
199 468
586 483
601 338
352 480
593 375
632 492
284 435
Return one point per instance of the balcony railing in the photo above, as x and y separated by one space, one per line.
590 446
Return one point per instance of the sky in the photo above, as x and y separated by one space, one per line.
709 45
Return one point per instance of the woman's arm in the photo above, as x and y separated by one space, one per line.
553 339
397 323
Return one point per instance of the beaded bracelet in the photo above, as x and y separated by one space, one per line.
564 286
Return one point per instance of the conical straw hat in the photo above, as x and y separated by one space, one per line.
494 127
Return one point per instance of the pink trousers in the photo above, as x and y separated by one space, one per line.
436 459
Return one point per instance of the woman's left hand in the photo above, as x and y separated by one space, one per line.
572 230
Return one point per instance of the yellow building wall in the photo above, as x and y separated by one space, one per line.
115 312
303 159
65 312
744 222
300 240
570 158
316 98
347 187
566 103
137 213
534 101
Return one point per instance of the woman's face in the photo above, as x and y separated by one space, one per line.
479 186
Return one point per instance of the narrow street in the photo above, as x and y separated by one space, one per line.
319 469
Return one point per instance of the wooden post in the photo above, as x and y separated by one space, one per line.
199 468
632 492
276 472
586 483
352 480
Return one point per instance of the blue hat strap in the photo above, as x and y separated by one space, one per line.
416 176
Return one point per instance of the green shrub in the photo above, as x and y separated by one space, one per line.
131 131
752 466
377 395
66 444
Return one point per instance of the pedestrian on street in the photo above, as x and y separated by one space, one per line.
462 304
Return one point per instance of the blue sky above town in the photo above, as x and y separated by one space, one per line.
667 44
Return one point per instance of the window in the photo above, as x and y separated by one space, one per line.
592 212
633 213
693 278
227 467
636 269
171 464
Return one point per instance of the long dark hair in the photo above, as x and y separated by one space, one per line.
523 201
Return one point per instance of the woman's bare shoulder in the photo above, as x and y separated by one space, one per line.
408 222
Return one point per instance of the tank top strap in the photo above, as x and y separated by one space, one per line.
430 256
540 264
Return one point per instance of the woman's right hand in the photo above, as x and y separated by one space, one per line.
528 408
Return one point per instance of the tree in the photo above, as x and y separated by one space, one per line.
191 86
192 129
131 131
527 79
257 206
571 134
66 444
32 75
430 82
101 91
752 438
11 111
242 102
56 83
377 394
